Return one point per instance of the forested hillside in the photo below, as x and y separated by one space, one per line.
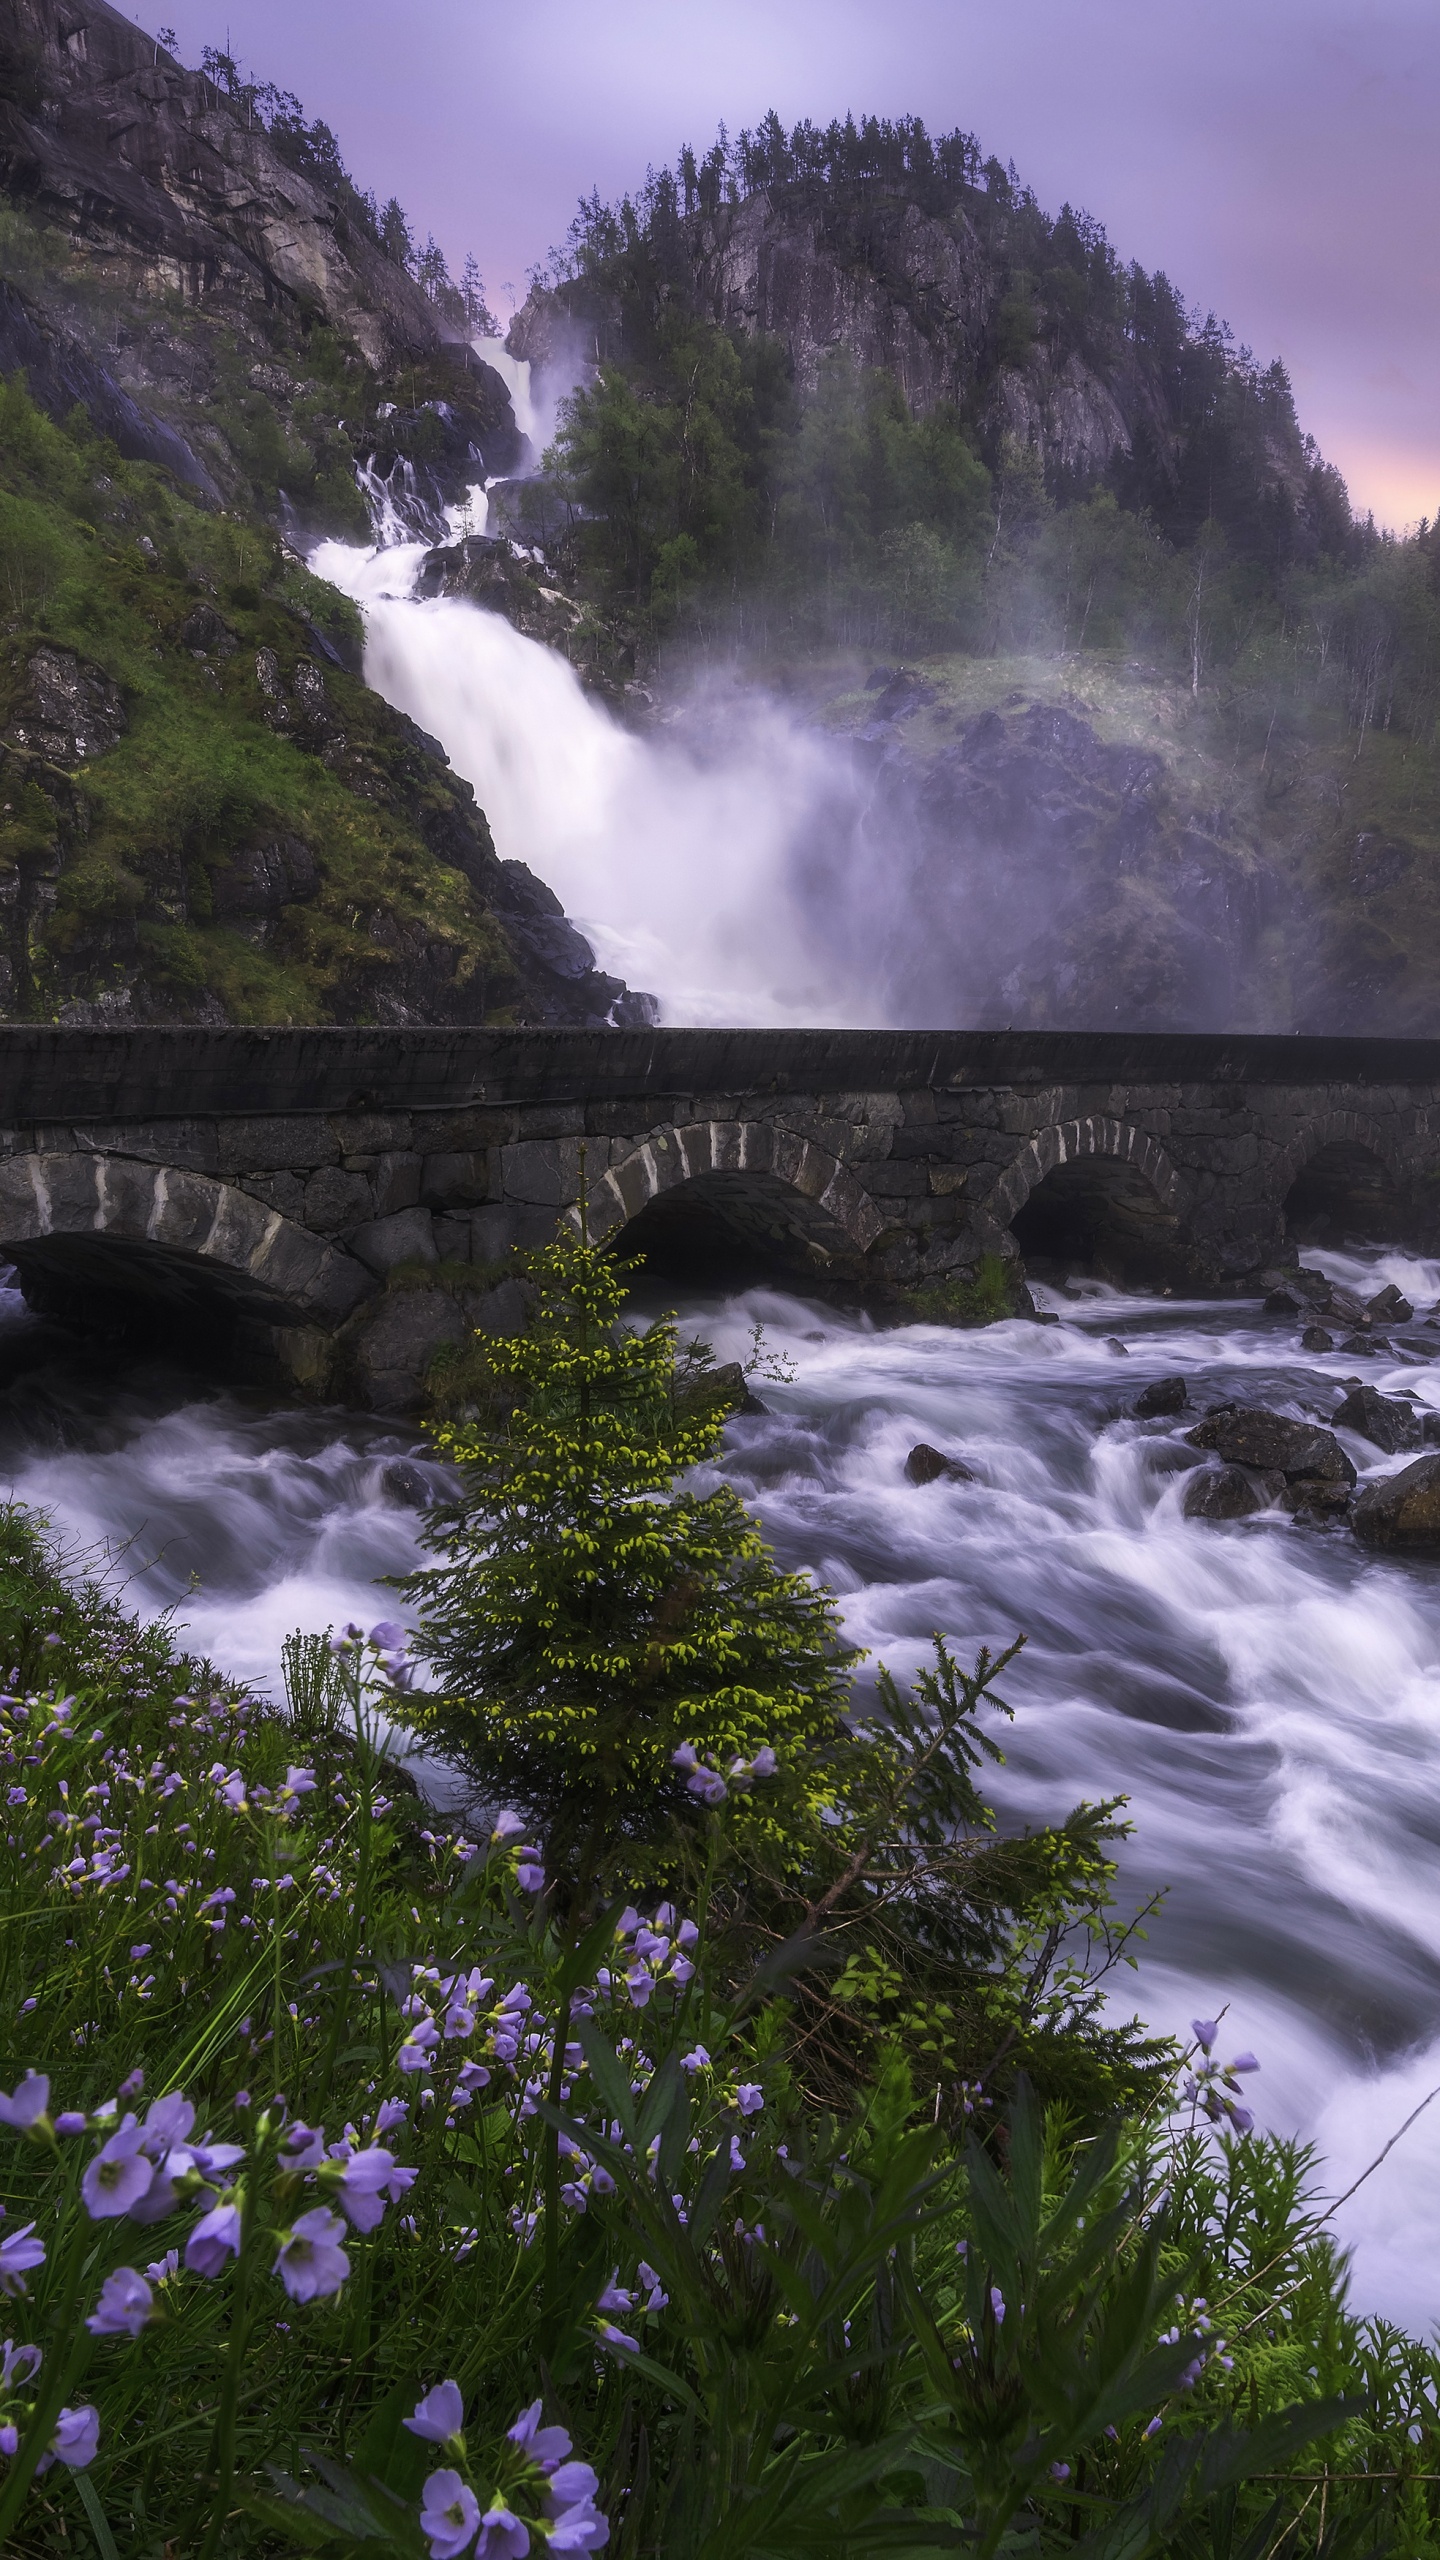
854 395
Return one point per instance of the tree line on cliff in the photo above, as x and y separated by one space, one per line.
709 491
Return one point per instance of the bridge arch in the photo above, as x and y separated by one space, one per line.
1093 1192
83 1226
1343 1173
765 1187
1066 1142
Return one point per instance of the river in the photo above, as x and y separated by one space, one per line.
1265 1695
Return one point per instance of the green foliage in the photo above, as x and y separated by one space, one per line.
987 1298
587 1621
197 775
775 2323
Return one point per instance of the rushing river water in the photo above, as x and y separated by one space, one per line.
1267 1696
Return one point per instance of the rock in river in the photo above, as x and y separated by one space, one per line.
1384 1421
1251 1436
1401 1514
926 1466
1163 1395
1231 1493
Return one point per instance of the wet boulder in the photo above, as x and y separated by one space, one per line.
1389 1306
1163 1395
1316 1498
1365 1346
1232 1493
930 1466
1252 1436
1315 1338
1384 1421
1401 1514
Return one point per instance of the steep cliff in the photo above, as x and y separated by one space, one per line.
157 178
205 813
921 262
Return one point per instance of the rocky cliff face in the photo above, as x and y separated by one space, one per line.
956 312
151 172
1061 877
204 815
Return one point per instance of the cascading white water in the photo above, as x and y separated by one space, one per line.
716 866
1266 1696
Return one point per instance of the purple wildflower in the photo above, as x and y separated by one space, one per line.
749 2098
76 2440
215 2238
1205 2031
126 2303
439 2416
548 2446
19 2252
502 2535
368 2178
170 2120
119 2174
30 2102
449 2515
310 2262
576 2522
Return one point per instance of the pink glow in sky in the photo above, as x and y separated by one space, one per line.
1276 157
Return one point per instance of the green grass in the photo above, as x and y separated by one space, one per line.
141 830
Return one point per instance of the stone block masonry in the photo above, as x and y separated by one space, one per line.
308 1180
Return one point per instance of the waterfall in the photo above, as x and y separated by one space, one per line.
718 860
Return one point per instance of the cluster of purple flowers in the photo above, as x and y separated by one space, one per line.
239 1795
639 2301
145 2170
538 2492
1195 2320
713 1786
75 2434
391 1665
458 2010
653 1955
1214 2087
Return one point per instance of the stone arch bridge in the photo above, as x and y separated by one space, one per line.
355 1193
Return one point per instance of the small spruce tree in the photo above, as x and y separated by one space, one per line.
587 1619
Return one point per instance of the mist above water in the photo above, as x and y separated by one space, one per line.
720 863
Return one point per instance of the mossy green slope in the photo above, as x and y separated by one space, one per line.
118 867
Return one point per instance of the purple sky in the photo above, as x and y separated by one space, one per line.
1277 157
